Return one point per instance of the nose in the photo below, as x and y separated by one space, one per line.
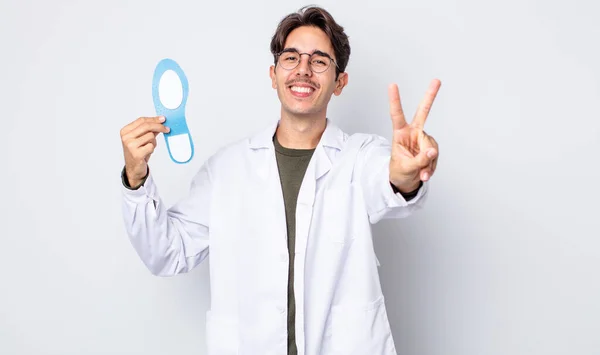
303 68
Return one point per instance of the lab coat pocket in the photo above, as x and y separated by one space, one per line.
361 330
221 335
340 205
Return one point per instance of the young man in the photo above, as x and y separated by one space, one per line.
286 213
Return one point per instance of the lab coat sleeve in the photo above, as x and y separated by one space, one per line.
174 240
374 170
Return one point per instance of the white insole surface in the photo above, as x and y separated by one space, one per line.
170 90
180 147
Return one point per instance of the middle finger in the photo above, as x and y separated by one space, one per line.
425 106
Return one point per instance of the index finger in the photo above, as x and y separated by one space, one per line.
135 124
146 127
425 106
398 120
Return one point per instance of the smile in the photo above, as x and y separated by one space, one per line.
301 91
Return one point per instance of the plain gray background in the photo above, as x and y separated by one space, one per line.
504 259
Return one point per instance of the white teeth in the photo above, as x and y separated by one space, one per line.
304 90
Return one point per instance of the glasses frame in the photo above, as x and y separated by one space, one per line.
318 52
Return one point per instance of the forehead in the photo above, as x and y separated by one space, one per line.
308 39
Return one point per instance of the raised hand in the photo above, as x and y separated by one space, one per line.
139 141
414 153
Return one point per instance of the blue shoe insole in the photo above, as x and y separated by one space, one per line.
170 91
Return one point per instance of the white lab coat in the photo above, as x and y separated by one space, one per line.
235 210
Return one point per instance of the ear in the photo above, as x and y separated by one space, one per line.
341 82
273 77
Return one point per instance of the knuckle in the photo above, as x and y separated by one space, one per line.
130 146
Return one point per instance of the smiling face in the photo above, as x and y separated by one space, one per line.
303 93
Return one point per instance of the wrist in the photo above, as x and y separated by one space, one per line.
133 180
406 188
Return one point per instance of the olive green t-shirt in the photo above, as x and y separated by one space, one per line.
292 164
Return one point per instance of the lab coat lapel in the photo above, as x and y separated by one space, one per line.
268 185
319 166
321 163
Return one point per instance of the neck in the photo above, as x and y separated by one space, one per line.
300 132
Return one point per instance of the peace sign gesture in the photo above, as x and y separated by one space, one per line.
414 153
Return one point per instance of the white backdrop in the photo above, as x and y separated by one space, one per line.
504 260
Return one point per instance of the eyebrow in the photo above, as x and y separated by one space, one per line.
316 51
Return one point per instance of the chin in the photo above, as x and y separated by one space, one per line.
302 111
301 108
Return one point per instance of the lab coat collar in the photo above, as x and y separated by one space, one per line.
332 137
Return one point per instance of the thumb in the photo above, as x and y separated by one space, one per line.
424 158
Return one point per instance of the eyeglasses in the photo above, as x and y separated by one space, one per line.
318 61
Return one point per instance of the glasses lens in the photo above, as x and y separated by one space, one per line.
319 63
289 60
